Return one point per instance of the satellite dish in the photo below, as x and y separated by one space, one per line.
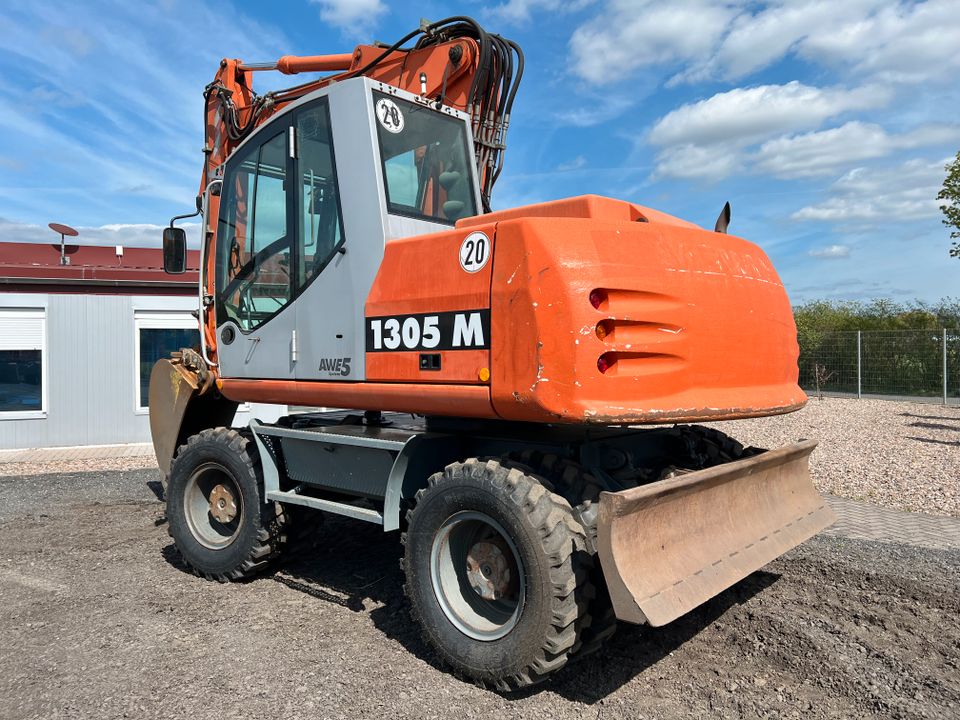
63 229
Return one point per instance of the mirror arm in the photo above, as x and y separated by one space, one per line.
202 293
183 217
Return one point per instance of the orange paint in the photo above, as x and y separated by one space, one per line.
454 400
695 325
685 324
423 275
457 366
292 64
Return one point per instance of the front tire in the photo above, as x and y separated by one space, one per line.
217 518
493 573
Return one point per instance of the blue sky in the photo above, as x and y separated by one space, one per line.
826 124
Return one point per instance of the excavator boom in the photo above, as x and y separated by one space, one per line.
454 63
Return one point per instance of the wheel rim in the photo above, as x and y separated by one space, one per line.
477 576
213 506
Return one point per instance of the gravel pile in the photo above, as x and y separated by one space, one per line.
897 454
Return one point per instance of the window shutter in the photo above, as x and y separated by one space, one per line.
166 320
21 329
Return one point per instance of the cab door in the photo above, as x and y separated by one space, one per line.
326 325
256 259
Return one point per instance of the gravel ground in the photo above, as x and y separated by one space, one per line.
101 620
896 454
901 455
78 466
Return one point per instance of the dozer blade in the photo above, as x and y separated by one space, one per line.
171 388
668 546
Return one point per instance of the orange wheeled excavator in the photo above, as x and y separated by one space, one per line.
516 386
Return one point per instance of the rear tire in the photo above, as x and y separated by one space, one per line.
582 490
215 511
493 573
703 447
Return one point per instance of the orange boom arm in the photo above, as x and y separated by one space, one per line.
454 62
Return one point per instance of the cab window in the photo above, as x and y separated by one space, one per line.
319 216
427 167
254 248
274 236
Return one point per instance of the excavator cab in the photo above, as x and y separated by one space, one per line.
307 204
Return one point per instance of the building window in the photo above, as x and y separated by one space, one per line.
158 335
22 364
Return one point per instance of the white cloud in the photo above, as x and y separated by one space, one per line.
592 111
698 162
708 139
874 51
900 42
77 40
755 40
110 120
881 40
831 252
575 164
882 196
826 151
746 115
353 17
521 11
129 235
632 34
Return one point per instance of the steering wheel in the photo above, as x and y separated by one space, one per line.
254 264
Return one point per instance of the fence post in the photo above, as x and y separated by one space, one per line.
944 366
859 374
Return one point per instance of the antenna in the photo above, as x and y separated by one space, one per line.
64 231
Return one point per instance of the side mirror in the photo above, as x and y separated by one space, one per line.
174 250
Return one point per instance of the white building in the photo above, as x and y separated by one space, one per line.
78 341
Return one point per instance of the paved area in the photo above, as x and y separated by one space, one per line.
865 521
86 452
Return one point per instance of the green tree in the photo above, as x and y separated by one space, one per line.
951 209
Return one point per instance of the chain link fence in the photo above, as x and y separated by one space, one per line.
916 364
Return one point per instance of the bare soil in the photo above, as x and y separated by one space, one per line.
101 620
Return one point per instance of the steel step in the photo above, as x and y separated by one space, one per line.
330 506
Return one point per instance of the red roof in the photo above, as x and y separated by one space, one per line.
92 269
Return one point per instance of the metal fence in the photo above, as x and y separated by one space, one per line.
919 364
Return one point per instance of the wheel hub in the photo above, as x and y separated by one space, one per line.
477 576
488 570
223 505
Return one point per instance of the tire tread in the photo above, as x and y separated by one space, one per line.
562 540
271 535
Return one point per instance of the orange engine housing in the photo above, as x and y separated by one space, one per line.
601 312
